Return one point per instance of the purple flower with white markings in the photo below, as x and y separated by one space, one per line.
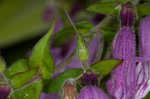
122 83
143 68
129 81
91 92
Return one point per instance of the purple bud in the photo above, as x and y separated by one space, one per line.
122 83
89 79
4 91
127 14
91 92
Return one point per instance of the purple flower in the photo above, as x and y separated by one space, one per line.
91 92
122 83
143 68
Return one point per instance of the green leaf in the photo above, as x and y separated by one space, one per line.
106 66
84 27
41 56
56 84
17 67
143 9
21 79
66 34
104 8
31 91
2 65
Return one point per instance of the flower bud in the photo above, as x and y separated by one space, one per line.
127 14
69 91
4 91
83 50
89 79
91 92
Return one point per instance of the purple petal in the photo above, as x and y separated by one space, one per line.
49 96
144 37
91 92
122 83
143 68
143 80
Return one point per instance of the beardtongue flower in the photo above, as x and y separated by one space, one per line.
127 14
143 68
91 92
122 83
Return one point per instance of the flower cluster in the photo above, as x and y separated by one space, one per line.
128 80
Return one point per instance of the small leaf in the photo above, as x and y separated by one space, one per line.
2 65
84 27
66 34
41 56
103 8
56 84
17 67
21 79
106 66
143 9
31 91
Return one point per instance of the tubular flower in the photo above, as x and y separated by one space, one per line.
122 83
143 68
91 92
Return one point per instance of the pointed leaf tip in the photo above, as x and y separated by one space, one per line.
41 56
106 66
